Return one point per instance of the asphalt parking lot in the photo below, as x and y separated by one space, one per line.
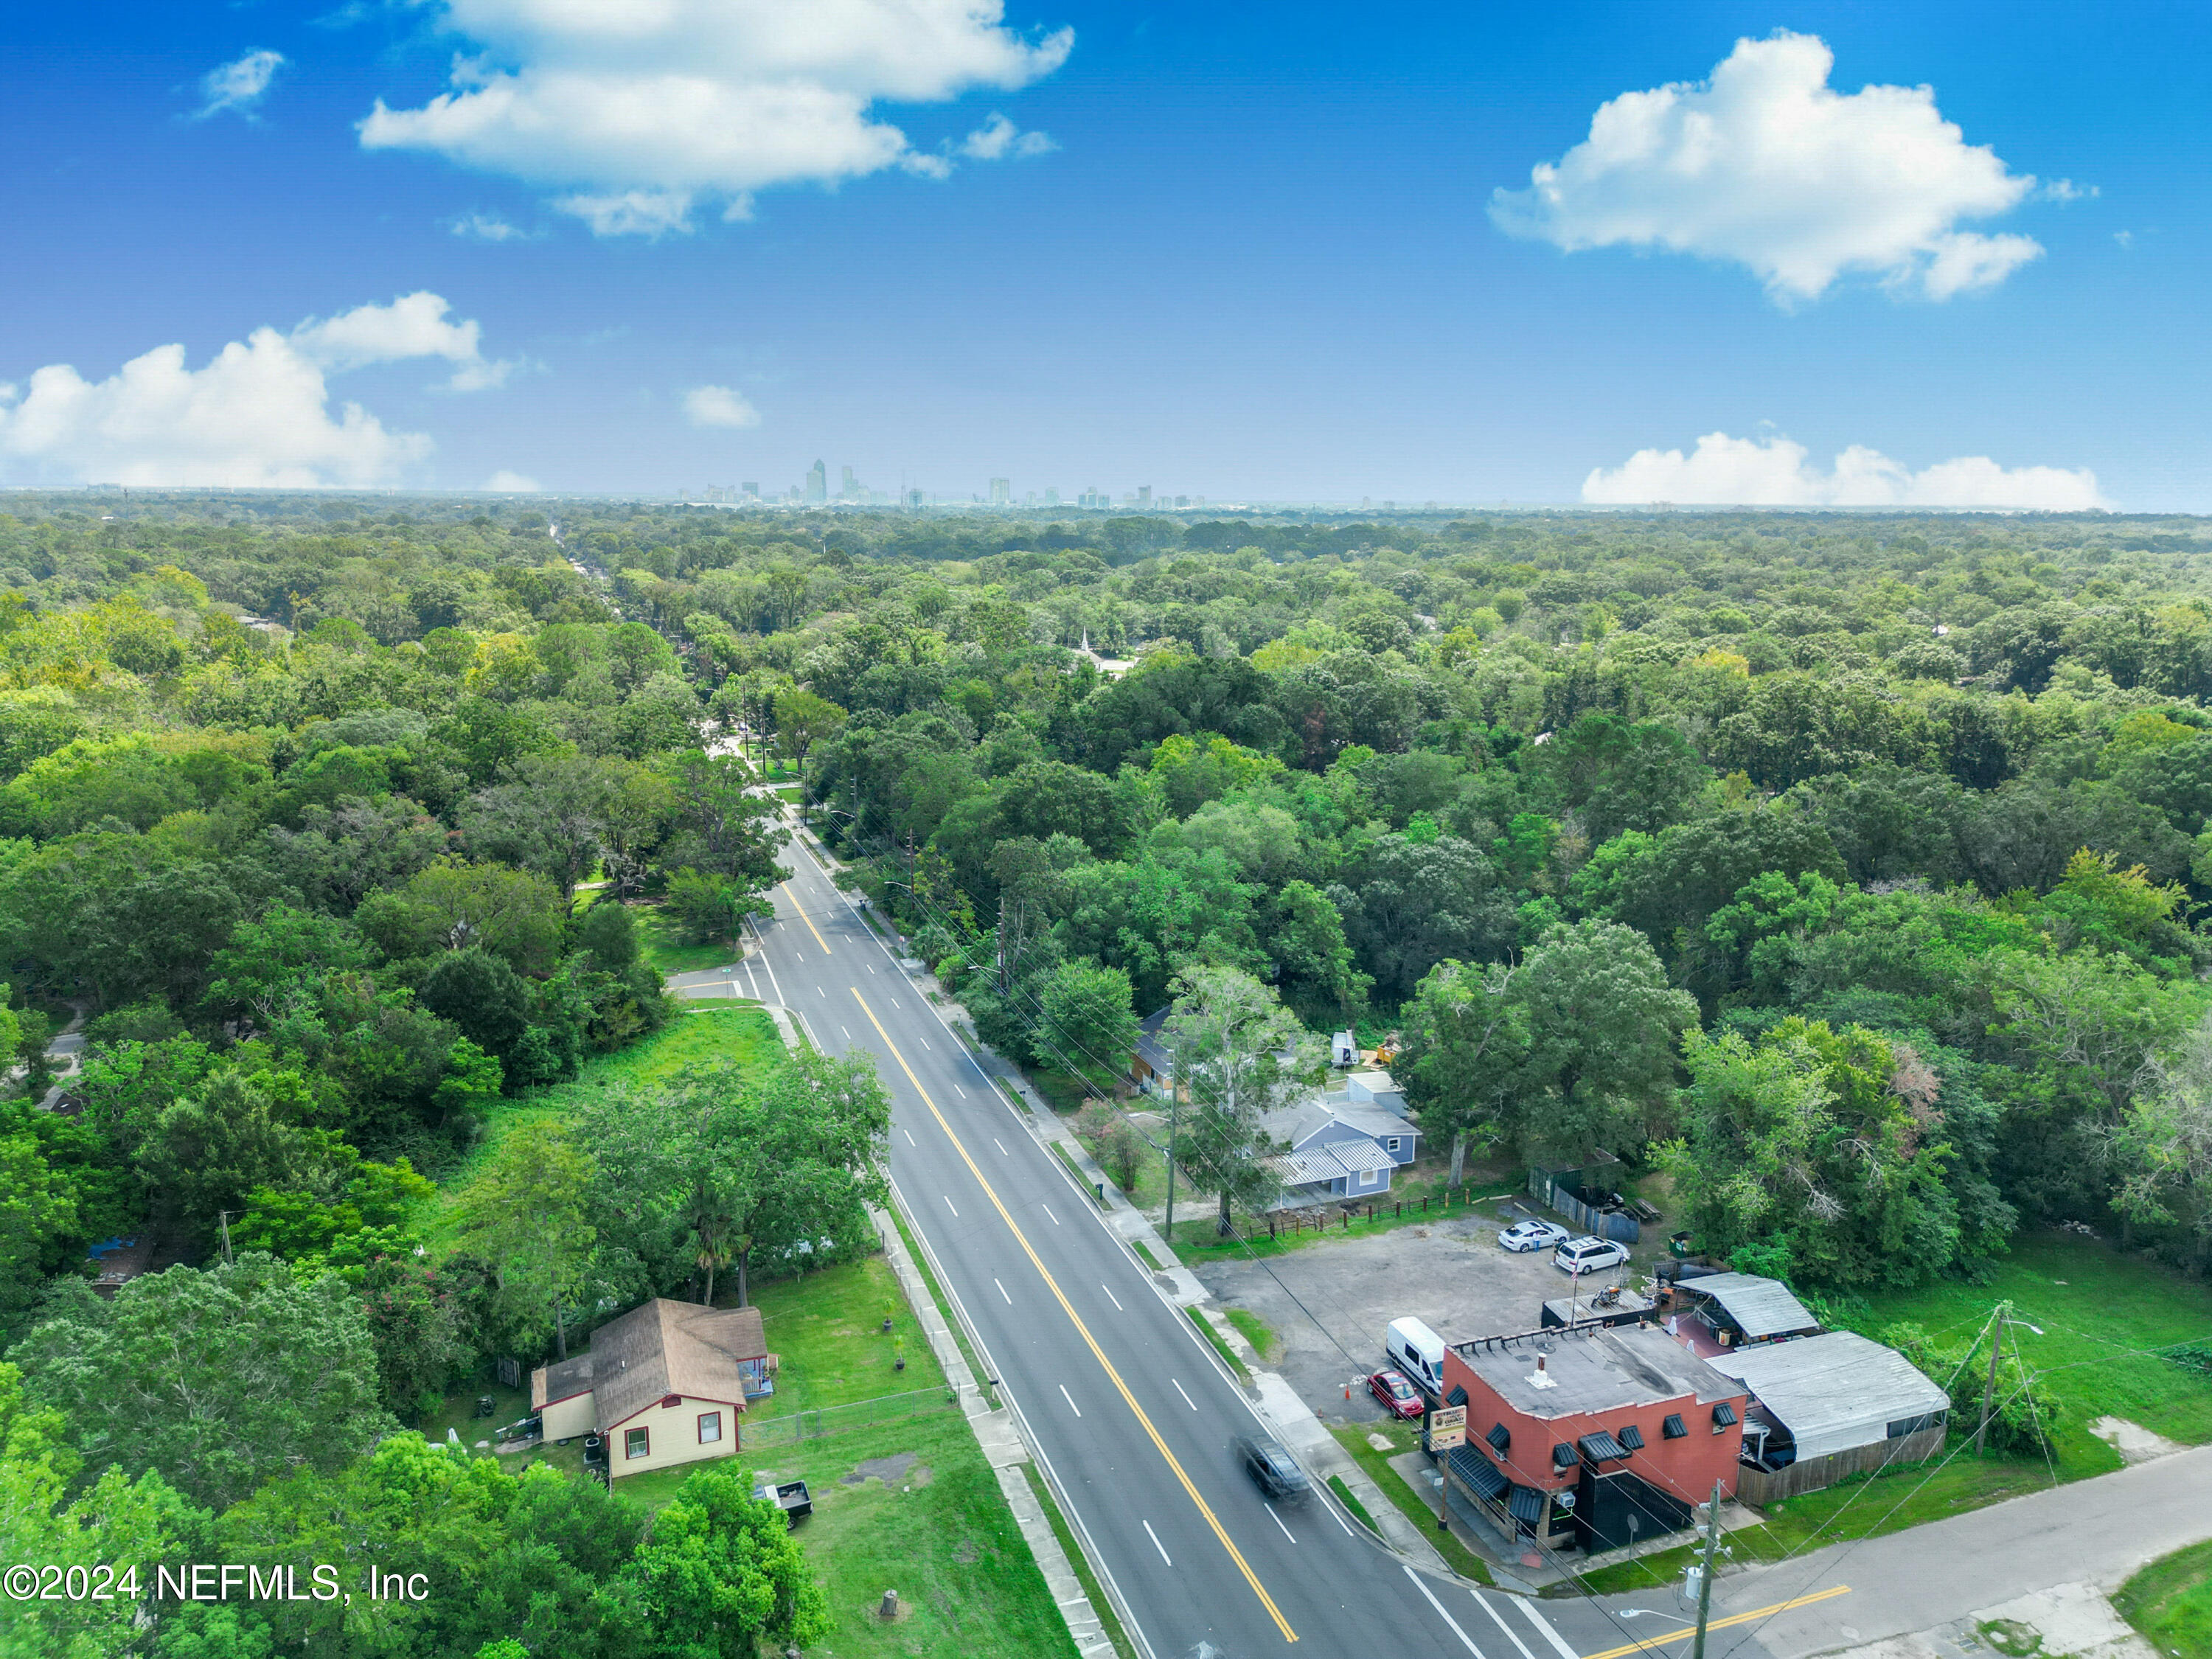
1330 1302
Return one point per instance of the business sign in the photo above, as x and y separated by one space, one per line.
1447 1428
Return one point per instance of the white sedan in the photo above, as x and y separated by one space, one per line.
1532 1236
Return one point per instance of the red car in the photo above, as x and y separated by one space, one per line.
1399 1397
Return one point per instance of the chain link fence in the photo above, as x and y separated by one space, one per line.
817 1422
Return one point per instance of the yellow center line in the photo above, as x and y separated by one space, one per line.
1081 1329
1722 1623
808 919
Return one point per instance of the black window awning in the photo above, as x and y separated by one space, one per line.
1630 1437
1723 1414
1499 1436
1476 1473
1456 1397
1672 1428
1601 1447
1526 1504
1562 1457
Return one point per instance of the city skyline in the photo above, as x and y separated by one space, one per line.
1358 270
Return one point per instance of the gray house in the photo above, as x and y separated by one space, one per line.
1338 1149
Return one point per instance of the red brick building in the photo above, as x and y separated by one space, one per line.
1594 1439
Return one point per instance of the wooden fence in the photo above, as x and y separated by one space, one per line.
1759 1488
1622 1229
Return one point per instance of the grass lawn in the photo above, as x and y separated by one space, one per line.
2170 1601
743 1035
1863 1508
826 1330
939 1533
1420 1511
1256 1331
663 943
2095 1308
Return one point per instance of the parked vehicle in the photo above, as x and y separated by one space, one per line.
1273 1468
1417 1351
1589 1255
1533 1236
1400 1398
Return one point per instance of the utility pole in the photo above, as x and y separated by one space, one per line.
1706 1576
1990 1386
223 1220
1175 1103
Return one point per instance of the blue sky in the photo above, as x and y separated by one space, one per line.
1260 260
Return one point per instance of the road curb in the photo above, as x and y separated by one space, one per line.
1000 1436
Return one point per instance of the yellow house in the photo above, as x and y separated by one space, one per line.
665 1383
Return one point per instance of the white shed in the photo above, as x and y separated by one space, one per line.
1836 1392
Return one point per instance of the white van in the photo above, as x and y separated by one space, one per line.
1418 1352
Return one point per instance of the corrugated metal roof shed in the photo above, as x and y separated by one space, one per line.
1759 1307
1833 1392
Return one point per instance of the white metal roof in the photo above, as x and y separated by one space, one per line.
1833 1392
1760 1307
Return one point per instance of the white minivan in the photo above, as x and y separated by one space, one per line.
1418 1352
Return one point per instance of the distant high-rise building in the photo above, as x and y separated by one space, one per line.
850 490
817 482
1182 500
1052 498
913 499
1002 492
751 489
1143 494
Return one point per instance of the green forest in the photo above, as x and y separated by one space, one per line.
1847 868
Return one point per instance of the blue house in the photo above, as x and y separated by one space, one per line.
1340 1150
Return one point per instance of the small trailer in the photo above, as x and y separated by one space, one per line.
790 1496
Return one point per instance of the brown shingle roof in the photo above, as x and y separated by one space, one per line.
559 1380
672 1347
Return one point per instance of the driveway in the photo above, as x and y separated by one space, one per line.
1330 1302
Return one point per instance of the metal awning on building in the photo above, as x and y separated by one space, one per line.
1601 1447
1499 1436
1526 1504
1477 1473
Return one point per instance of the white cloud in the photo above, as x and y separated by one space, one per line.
998 138
257 414
240 85
1766 166
1774 472
504 483
489 227
412 325
638 112
717 405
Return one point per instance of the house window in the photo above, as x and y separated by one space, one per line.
1392 1145
1367 1177
710 1427
1905 1425
637 1442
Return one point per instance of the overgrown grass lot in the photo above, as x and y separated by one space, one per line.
2170 1601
